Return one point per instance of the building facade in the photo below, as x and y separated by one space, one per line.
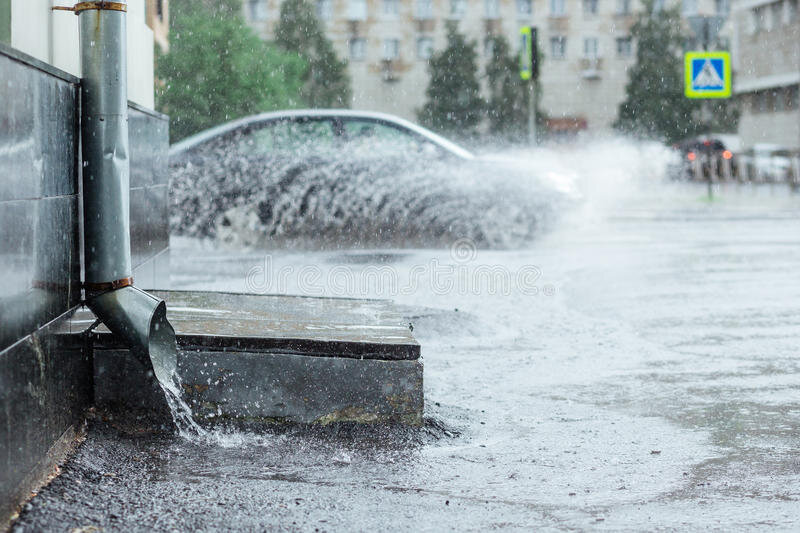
767 72
586 46
32 27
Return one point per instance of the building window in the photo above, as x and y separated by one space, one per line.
774 19
590 7
558 47
457 8
624 7
357 10
324 9
558 8
761 102
789 11
748 103
779 99
391 49
258 9
391 8
689 8
624 47
424 48
491 9
424 9
524 9
591 48
793 97
358 48
722 7
756 20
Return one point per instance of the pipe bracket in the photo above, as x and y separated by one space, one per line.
85 6
108 286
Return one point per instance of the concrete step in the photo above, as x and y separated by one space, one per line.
263 358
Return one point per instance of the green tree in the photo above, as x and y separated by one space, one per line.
212 8
454 103
326 81
655 106
218 69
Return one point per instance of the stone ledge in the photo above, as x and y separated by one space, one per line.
269 388
268 359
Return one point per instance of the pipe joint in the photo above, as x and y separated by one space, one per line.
85 6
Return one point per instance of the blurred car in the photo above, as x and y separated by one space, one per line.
321 133
712 156
343 175
768 162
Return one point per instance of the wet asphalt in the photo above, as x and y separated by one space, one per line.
650 381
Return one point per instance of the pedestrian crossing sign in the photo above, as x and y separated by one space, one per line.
708 74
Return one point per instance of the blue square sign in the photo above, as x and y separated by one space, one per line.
708 75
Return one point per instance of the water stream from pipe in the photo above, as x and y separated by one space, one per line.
181 413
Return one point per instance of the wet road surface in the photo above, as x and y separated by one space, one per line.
641 373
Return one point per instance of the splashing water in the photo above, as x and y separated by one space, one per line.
190 430
502 199
181 413
377 200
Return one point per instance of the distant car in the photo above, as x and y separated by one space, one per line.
709 155
768 162
321 133
343 175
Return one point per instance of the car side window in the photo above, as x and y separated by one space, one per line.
372 136
288 137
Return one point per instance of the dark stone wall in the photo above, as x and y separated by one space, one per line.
45 367
40 226
45 388
39 223
44 376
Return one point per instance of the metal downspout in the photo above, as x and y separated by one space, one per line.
135 316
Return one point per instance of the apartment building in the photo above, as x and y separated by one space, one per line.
586 45
767 71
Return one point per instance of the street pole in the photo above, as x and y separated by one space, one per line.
529 72
705 113
532 113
